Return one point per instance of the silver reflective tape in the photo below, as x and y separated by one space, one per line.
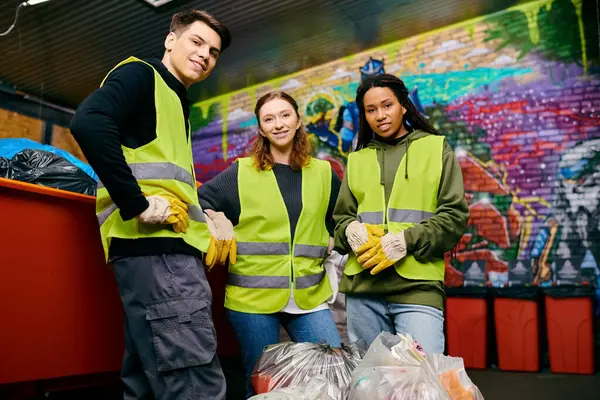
258 282
307 281
262 249
371 217
196 214
103 215
413 216
309 250
159 170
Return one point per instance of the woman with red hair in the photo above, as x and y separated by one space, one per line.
280 201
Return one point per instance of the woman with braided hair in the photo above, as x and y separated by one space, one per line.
398 210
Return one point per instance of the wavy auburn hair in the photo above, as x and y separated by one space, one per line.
261 148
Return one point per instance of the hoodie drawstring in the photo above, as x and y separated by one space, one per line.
381 161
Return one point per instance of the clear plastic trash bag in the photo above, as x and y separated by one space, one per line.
292 365
396 368
317 388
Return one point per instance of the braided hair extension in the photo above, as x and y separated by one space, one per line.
413 120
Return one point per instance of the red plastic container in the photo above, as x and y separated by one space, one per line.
570 334
517 334
466 326
59 304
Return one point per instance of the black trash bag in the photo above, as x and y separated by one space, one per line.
48 169
5 168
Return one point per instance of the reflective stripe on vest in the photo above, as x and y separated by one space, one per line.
194 213
164 166
311 251
371 217
159 170
307 281
415 216
270 262
394 215
262 249
411 201
281 248
274 249
258 282
103 216
153 171
274 282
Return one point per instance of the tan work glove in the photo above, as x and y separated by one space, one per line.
222 240
165 209
390 249
362 237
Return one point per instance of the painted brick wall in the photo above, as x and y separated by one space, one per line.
517 95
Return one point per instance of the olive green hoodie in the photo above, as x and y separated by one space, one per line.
428 239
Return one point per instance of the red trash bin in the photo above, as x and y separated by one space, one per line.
517 334
570 334
466 327
59 304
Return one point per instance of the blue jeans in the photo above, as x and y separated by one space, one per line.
368 317
256 331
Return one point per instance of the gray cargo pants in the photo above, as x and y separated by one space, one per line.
170 343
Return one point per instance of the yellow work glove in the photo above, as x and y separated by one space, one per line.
222 240
361 237
166 209
390 249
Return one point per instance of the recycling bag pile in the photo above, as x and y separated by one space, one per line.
394 368
292 365
28 161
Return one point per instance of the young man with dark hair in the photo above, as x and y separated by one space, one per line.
134 131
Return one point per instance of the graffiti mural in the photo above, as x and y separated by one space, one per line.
517 95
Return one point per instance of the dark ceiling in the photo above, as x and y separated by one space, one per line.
60 50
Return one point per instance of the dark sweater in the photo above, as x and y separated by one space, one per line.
123 112
221 194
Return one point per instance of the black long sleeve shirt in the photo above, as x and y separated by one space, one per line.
221 194
123 112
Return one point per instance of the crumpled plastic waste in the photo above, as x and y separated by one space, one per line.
289 365
396 368
317 388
